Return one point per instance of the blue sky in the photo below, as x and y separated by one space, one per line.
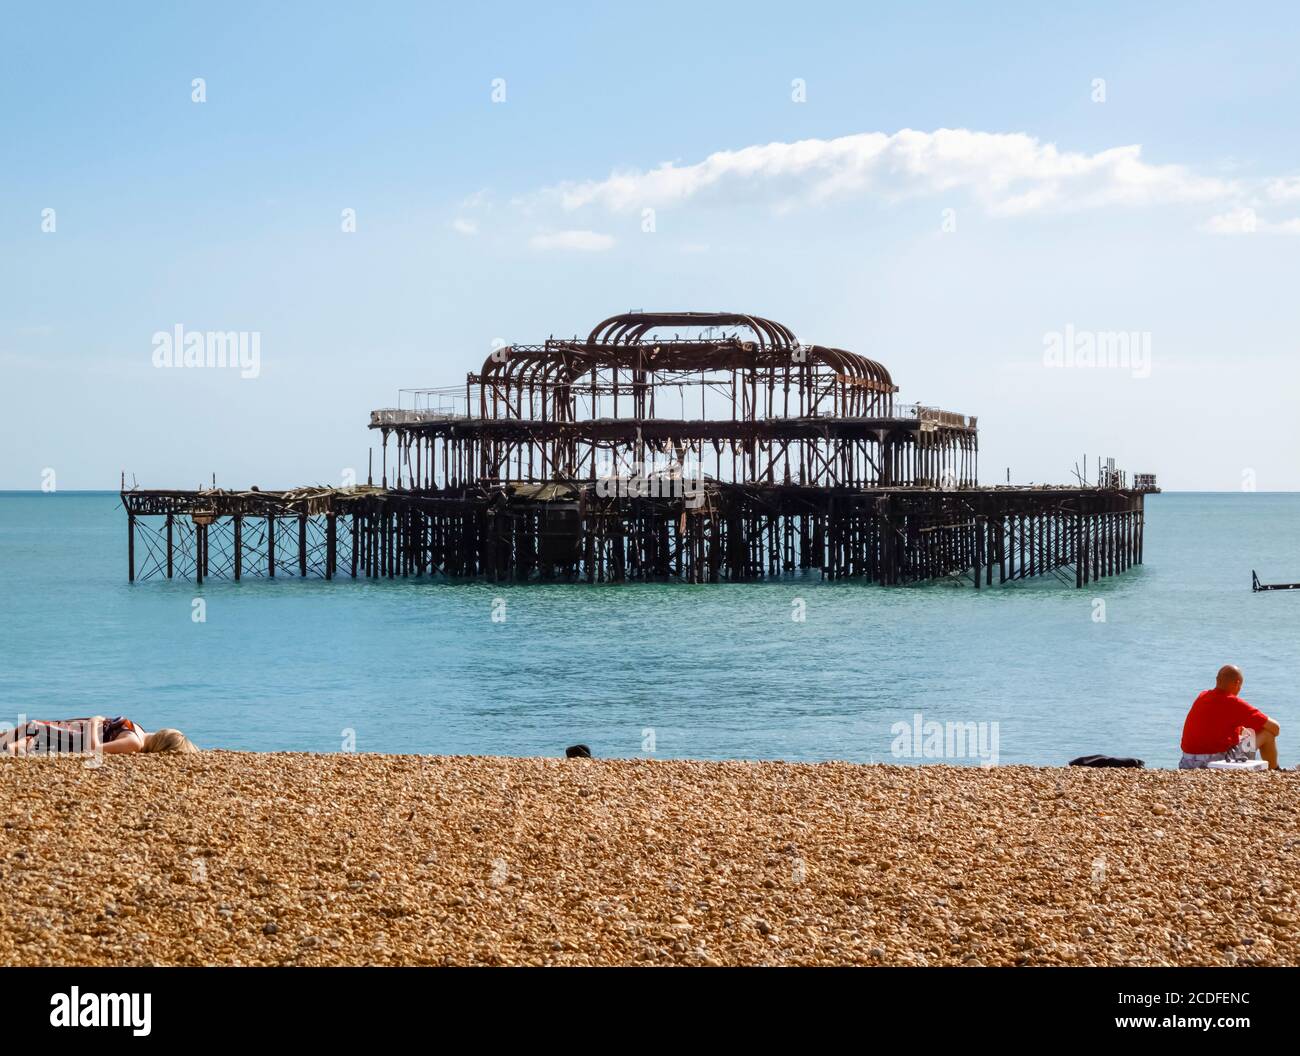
478 220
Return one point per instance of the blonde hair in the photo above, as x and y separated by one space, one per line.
168 741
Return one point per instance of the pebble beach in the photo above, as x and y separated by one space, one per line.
290 859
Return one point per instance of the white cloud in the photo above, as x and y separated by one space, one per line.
1241 221
1244 221
1284 189
464 227
1009 173
582 241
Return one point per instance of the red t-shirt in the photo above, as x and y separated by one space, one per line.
1216 720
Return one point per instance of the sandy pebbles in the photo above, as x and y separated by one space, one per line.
232 858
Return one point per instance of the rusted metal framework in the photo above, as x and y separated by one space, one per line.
740 401
691 446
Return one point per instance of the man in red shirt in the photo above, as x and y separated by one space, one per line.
1216 721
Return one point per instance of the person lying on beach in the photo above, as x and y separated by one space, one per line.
115 736
1213 728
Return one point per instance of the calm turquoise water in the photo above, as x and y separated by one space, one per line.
714 671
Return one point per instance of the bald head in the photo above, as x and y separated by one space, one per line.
1228 679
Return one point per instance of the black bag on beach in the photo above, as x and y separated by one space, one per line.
1105 760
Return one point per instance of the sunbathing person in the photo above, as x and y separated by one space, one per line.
88 736
1213 728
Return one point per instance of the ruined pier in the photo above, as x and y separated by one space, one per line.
735 452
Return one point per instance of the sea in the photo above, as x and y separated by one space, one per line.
1033 672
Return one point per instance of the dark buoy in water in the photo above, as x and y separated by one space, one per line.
577 751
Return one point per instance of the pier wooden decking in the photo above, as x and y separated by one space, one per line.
570 533
733 453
